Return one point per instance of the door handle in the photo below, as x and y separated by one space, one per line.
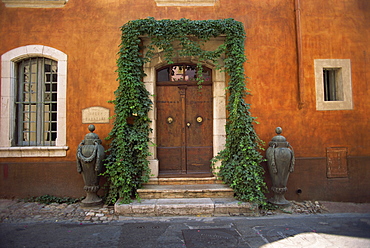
188 124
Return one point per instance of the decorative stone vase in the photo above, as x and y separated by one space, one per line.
90 155
280 160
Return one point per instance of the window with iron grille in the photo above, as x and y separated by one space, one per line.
34 81
36 102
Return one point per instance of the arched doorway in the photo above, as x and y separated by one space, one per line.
217 87
184 121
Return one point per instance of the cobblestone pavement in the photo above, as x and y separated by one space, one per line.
18 211
15 211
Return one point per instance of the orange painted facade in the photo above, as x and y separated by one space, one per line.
88 31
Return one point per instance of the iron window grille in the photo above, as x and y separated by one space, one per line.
36 102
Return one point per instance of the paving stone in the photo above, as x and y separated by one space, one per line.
17 212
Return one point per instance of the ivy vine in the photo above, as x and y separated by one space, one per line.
127 166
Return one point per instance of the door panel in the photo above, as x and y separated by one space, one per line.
198 160
169 138
199 133
184 129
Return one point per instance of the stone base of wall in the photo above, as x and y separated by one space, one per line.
309 181
20 180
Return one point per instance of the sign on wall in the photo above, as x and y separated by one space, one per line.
336 162
95 115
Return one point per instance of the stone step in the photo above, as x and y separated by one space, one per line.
184 180
152 191
187 207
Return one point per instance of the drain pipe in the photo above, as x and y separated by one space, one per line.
297 9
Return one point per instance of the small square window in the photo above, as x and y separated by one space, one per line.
333 87
333 84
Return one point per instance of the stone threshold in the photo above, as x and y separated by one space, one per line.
187 207
184 180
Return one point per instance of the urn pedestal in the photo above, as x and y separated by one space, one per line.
90 155
280 161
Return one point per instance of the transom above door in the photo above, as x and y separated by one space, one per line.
184 121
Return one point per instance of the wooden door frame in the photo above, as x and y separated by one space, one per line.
219 101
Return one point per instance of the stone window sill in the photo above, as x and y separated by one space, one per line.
27 152
185 2
34 3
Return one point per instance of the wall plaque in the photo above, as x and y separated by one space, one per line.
336 162
95 115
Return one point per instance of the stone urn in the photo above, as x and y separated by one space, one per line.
90 155
280 160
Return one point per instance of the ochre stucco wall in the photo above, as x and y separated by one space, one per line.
88 31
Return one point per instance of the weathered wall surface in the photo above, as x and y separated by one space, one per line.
339 32
88 32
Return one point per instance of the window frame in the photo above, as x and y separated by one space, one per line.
35 91
332 79
192 81
34 3
344 84
8 95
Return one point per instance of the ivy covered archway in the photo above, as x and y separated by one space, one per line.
127 164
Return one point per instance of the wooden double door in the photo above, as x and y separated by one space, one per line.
184 130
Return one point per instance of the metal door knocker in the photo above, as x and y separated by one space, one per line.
169 120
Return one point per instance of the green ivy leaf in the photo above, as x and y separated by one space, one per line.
126 164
